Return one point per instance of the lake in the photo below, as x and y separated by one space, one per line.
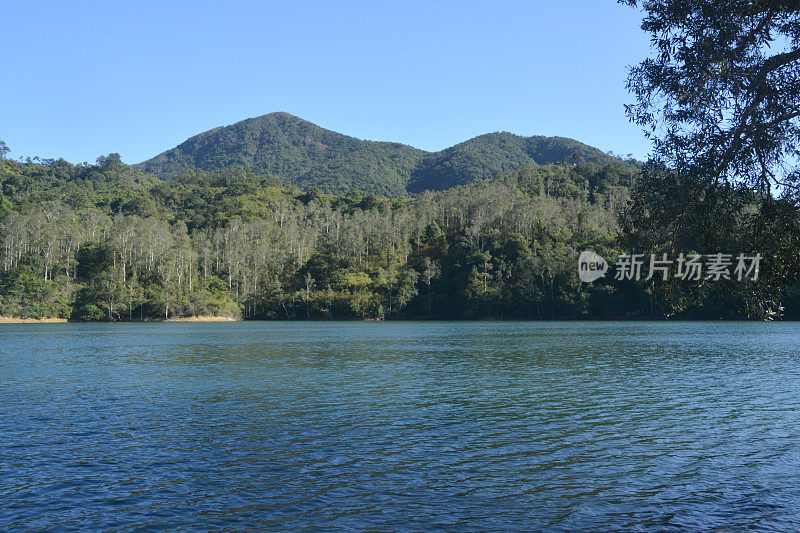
490 426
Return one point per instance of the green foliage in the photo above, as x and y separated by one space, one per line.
671 213
298 151
93 260
25 293
313 158
106 242
720 95
487 155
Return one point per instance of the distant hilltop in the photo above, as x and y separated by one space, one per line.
306 155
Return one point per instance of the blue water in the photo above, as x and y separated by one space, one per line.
400 426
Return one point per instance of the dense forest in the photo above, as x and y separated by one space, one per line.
275 217
108 242
303 154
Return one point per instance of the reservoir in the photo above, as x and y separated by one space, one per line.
400 426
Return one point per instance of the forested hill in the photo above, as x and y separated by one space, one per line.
486 155
306 155
107 242
295 150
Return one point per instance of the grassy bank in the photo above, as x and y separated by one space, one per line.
15 320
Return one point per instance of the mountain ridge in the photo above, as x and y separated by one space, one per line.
307 155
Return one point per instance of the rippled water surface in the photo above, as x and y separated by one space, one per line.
400 426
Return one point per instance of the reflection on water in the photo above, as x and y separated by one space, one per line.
400 426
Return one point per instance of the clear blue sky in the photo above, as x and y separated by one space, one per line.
83 79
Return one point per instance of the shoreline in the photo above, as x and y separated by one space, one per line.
203 318
16 320
56 320
211 318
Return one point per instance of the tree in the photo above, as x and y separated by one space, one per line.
721 96
721 101
430 271
4 149
230 244
307 291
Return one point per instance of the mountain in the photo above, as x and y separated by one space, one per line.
486 155
307 155
295 150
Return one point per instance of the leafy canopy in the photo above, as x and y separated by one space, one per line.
721 95
304 154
